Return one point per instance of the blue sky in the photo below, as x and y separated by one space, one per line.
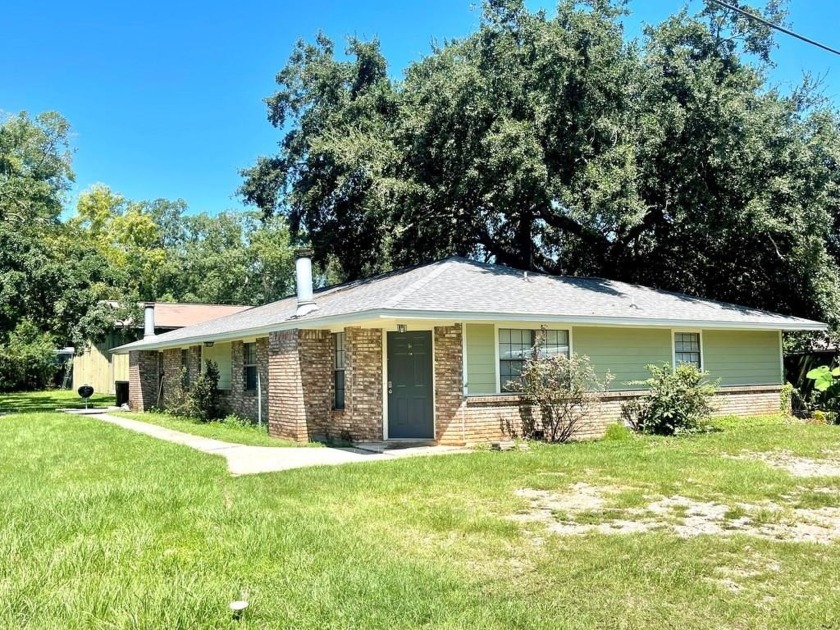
165 98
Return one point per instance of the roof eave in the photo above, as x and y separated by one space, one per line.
595 320
471 316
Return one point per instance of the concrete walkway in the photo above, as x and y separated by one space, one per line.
248 460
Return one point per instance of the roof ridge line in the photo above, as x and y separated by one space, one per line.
417 284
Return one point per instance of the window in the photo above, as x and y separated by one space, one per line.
339 354
250 362
515 347
687 349
185 367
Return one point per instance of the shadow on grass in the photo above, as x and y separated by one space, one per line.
50 400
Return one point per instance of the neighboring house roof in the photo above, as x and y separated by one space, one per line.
457 288
178 315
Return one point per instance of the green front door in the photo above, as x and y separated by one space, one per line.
410 396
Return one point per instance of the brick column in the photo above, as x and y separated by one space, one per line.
316 370
299 373
143 379
194 362
171 373
363 383
286 411
449 384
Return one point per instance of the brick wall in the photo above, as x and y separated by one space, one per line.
143 379
237 399
362 416
488 418
449 383
749 401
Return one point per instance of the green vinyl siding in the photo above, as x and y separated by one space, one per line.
623 351
742 357
220 354
481 359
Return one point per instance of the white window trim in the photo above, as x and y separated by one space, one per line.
696 331
334 345
245 366
464 379
524 326
781 358
498 358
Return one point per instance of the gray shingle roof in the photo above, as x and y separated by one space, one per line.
456 288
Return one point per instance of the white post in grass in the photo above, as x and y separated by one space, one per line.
259 400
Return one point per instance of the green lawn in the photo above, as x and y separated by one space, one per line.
50 400
104 528
251 435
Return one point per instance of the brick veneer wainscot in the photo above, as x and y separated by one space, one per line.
488 418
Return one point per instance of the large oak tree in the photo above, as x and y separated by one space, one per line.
553 142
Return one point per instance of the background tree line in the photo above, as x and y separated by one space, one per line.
56 272
554 142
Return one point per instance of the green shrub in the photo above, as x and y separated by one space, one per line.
818 417
204 394
200 400
27 360
617 431
564 389
825 396
786 399
678 401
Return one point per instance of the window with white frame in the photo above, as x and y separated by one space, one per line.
516 345
687 349
339 355
249 351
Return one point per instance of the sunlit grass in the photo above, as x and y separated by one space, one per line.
248 434
103 527
50 400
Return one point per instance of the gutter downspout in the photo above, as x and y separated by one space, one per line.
259 400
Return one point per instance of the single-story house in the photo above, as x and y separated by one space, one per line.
426 353
97 367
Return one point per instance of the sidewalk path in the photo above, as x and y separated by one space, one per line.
247 460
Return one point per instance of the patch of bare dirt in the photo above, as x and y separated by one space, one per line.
794 464
747 568
571 512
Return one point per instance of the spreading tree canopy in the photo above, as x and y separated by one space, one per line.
50 280
553 142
